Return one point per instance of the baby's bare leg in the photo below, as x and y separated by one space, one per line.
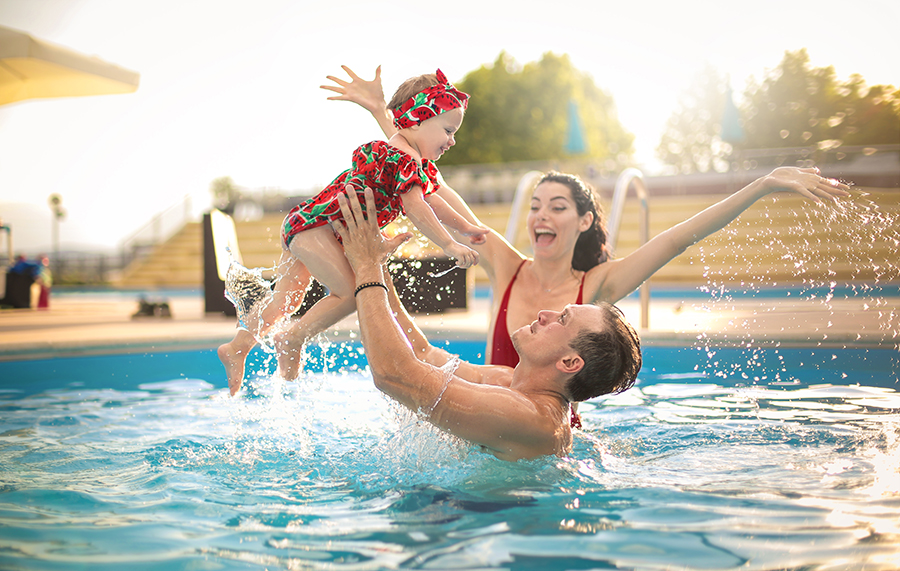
289 342
323 255
234 356
292 280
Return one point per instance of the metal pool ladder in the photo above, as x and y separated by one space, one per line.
626 178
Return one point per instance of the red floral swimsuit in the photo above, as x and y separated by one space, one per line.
387 170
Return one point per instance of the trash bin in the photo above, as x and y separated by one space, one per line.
18 290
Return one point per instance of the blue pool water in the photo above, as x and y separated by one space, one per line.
724 459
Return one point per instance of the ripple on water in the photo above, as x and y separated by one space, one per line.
326 472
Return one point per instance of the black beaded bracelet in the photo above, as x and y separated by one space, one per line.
361 287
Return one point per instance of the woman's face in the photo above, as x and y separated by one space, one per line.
553 221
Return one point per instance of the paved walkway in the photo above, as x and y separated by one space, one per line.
78 324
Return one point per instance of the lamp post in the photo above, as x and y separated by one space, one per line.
9 247
59 213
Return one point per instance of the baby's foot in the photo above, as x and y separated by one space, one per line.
233 359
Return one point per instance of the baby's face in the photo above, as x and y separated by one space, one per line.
436 135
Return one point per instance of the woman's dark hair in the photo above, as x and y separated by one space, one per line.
591 248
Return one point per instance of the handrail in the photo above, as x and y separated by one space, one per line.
161 227
526 183
625 180
9 245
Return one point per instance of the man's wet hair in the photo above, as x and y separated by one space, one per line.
612 357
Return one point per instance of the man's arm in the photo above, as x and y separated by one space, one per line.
498 375
506 422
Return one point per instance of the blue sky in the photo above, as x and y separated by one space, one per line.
232 88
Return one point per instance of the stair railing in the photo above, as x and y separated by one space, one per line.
514 223
160 228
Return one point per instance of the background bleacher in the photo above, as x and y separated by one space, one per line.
781 239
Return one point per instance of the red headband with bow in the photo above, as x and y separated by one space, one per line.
429 103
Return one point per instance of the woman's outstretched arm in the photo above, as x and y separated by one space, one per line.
621 277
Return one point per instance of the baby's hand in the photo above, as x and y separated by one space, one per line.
476 234
465 257
367 94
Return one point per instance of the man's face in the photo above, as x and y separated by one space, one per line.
549 337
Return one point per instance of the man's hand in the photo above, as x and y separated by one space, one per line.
364 244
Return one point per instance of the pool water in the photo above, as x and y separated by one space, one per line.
725 459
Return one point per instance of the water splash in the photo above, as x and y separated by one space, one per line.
442 273
448 370
249 292
839 261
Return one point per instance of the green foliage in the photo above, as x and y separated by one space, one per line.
225 193
795 105
520 113
692 137
798 105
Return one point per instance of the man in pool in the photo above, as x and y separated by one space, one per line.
573 355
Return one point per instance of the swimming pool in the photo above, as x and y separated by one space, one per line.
717 459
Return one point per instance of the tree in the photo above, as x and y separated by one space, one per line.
520 113
795 105
692 138
798 105
225 193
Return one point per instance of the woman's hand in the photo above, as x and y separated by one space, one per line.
475 234
367 94
805 182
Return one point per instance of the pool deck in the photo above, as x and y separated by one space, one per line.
82 324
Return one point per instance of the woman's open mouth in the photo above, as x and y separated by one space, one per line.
543 236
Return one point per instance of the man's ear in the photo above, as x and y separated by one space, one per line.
570 364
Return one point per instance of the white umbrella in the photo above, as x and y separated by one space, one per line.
34 69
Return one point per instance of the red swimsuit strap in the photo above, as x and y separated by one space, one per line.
502 350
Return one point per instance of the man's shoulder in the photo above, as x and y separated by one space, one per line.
492 375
